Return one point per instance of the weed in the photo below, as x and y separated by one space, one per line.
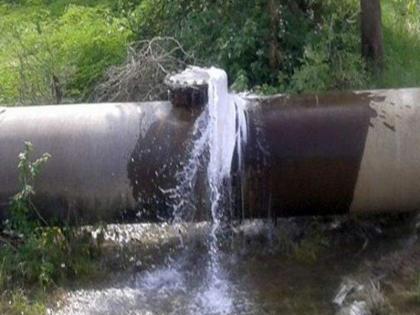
22 207
17 303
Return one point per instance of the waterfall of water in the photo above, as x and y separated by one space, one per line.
219 130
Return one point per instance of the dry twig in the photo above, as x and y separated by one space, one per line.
141 77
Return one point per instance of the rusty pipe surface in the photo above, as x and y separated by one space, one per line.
333 154
305 155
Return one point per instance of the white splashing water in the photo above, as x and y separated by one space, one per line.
222 125
224 130
219 129
180 196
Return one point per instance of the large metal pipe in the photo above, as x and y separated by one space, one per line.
334 153
326 154
106 158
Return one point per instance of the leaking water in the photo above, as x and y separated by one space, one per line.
220 129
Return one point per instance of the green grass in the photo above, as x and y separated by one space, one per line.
75 41
402 45
18 303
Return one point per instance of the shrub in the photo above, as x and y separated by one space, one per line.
401 20
332 60
48 59
294 46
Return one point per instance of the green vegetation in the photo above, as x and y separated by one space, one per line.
401 20
33 254
58 51
413 294
17 303
291 48
311 247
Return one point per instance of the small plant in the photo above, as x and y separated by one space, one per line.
22 208
31 251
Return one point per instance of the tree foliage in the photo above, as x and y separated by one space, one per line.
276 44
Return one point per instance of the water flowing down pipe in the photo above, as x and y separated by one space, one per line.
337 153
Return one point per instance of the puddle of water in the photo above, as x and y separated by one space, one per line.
254 278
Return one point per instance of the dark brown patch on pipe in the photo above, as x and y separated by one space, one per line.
310 148
190 97
154 163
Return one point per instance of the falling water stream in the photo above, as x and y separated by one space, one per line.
219 129
224 135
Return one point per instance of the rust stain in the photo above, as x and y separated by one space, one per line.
153 165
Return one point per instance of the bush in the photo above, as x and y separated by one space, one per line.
293 46
332 60
45 59
142 76
57 50
401 20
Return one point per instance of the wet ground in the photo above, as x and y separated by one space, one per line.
262 270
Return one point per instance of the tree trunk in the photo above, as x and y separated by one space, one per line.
372 36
